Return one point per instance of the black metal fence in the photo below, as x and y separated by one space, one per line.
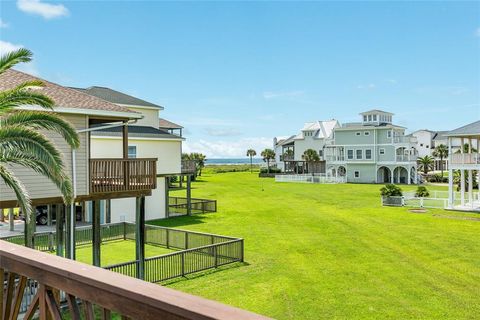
197 251
178 205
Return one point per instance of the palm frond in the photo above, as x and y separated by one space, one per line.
16 185
10 99
14 57
42 120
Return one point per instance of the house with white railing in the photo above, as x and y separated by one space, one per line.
372 151
466 161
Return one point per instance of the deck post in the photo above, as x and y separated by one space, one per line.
49 215
140 236
29 228
59 228
2 215
108 211
68 231
96 233
11 219
167 192
189 195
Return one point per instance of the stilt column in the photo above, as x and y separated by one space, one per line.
140 236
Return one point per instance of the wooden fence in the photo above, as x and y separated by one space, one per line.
179 205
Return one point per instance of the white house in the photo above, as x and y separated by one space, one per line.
467 161
145 140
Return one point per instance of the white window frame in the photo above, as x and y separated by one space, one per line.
356 174
361 154
381 151
366 133
368 158
358 133
348 155
136 151
389 133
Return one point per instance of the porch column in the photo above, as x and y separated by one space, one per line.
470 187
189 195
49 215
392 172
408 176
59 228
108 211
140 236
96 241
167 192
462 174
11 219
2 215
68 231
450 188
125 140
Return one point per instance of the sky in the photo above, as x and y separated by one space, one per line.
237 74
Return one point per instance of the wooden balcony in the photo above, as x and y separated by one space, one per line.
465 159
66 287
188 166
122 175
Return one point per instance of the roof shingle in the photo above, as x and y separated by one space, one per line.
117 97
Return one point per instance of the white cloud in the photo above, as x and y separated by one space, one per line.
3 24
282 94
369 86
227 149
30 68
46 10
223 132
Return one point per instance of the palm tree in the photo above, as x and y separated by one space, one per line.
21 142
310 156
288 154
425 164
441 151
267 155
251 153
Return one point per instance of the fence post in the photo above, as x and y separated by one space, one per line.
183 263
168 241
215 255
186 240
241 250
421 202
50 241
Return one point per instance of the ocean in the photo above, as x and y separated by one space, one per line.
232 161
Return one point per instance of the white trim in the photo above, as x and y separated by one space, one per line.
381 151
92 112
139 107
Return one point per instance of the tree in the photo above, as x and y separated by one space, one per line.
288 154
21 142
251 153
425 164
391 190
267 155
310 156
441 151
199 160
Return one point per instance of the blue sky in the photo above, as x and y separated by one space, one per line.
237 74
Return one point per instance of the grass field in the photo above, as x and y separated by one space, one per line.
331 251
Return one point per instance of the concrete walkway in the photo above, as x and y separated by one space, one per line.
19 228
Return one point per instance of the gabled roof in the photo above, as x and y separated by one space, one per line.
136 132
165 124
323 129
376 111
287 141
472 129
117 97
64 98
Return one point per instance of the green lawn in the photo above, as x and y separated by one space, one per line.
331 251
119 251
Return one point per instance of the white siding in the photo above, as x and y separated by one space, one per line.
39 186
150 117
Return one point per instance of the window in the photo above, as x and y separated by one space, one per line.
382 151
132 152
369 117
358 133
320 153
389 134
367 133
359 154
350 154
357 174
368 154
374 117
365 118
426 146
421 144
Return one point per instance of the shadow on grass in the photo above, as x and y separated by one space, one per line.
202 274
178 221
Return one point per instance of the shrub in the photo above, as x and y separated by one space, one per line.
422 192
391 190
272 170
437 178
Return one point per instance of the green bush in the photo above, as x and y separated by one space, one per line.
437 178
391 190
272 170
422 192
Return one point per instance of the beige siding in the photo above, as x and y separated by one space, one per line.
150 116
39 186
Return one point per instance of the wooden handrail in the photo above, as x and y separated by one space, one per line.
128 296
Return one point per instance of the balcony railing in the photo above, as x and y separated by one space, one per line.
188 166
68 287
406 158
465 158
285 157
122 175
403 139
335 158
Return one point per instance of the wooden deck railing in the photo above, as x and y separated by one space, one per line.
122 175
67 286
465 158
